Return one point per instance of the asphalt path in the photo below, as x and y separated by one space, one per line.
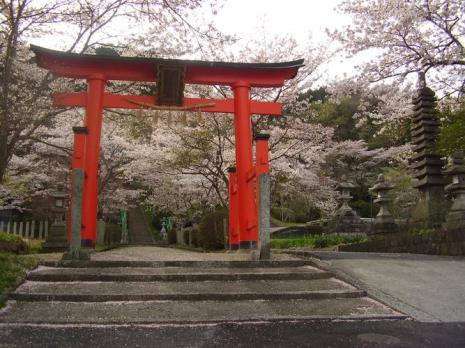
279 334
427 287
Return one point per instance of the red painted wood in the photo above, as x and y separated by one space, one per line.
145 70
118 101
233 217
96 86
262 156
247 209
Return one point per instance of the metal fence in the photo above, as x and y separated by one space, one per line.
30 229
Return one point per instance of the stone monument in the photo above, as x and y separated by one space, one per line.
426 164
56 240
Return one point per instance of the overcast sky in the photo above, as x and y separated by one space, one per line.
298 18
302 19
305 20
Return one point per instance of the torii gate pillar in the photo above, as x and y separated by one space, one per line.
93 122
247 208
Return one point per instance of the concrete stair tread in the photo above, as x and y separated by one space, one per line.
194 311
187 264
173 274
218 290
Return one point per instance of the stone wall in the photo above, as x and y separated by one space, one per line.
436 242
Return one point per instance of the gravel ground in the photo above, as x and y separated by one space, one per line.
150 253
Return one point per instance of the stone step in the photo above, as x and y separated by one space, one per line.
193 291
186 312
142 274
186 264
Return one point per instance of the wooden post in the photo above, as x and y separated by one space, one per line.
41 229
1 225
247 209
33 228
94 108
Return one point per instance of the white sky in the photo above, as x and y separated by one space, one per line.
298 18
302 19
305 20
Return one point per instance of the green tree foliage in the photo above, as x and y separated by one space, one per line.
403 195
452 134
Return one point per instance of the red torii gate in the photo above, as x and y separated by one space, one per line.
171 75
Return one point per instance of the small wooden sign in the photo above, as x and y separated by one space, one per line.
170 85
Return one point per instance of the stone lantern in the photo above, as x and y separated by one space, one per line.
56 239
384 222
456 189
59 207
345 188
346 219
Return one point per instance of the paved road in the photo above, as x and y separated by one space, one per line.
284 334
428 288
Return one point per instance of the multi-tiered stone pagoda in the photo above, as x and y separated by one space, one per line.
426 163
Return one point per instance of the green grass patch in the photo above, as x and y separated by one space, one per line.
34 246
279 223
315 241
105 247
9 238
12 271
421 231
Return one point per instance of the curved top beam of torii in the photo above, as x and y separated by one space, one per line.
76 65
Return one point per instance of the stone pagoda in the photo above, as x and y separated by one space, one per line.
427 164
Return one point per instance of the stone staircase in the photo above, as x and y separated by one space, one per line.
139 230
186 292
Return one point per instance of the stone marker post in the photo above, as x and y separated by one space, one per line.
75 250
264 216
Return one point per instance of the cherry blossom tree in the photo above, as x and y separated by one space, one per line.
79 26
407 37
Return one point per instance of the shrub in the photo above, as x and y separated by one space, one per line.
12 243
6 237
